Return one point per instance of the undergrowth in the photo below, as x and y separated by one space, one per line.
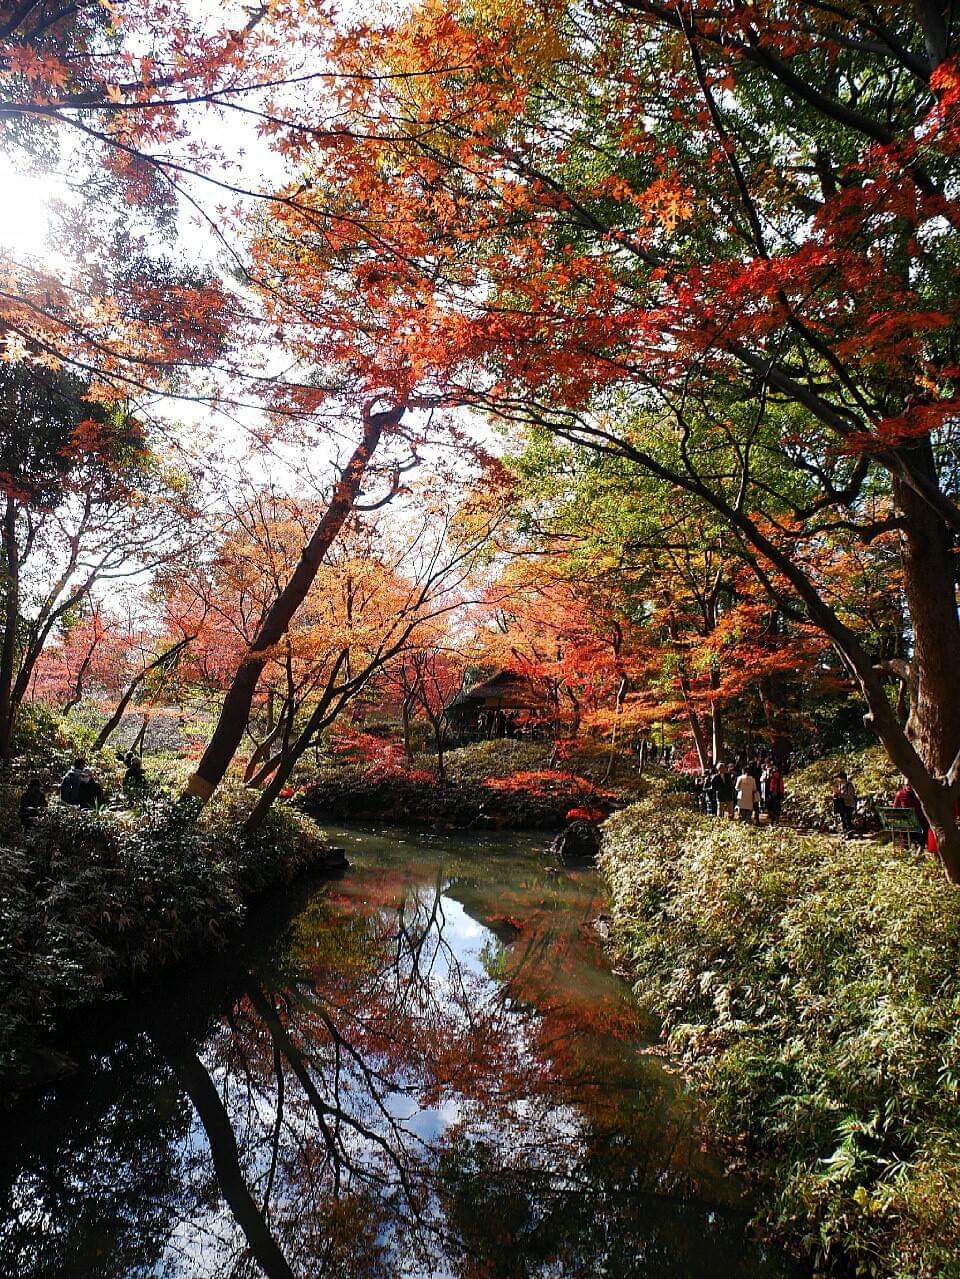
809 797
811 988
95 902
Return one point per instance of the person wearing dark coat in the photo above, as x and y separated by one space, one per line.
33 803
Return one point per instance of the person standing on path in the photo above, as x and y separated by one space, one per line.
724 787
845 802
748 795
771 785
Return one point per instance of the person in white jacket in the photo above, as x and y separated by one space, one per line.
748 796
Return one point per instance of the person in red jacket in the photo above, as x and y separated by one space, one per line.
771 786
906 797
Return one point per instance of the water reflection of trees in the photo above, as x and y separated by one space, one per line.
379 1102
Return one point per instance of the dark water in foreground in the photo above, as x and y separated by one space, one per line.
424 1069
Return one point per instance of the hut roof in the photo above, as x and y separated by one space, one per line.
505 690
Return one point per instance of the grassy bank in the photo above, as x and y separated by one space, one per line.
809 799
96 903
516 785
811 989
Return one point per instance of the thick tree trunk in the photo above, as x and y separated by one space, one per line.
936 32
781 741
929 565
699 737
236 705
11 618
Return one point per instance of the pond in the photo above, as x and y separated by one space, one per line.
425 1068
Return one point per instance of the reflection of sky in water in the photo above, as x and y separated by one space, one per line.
438 1091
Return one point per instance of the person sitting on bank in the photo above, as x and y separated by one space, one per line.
80 788
33 803
845 801
134 779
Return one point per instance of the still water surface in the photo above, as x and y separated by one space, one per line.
425 1068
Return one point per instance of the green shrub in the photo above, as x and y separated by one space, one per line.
45 743
287 842
812 989
809 791
95 901
500 758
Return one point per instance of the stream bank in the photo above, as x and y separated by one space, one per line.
96 904
809 988
424 1069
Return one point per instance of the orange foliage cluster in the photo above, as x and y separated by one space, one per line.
548 782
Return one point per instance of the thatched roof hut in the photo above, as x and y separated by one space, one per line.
505 691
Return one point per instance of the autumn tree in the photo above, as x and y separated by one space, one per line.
424 679
715 242
87 501
676 626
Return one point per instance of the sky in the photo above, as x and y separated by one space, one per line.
29 197
24 208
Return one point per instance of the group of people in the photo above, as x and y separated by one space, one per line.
745 790
753 786
79 788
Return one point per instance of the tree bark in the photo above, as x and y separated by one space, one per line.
928 559
930 14
781 741
235 711
716 734
699 738
11 618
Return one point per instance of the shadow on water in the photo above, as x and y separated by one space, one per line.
424 1069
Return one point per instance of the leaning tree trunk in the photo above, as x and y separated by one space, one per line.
235 711
208 1104
928 558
